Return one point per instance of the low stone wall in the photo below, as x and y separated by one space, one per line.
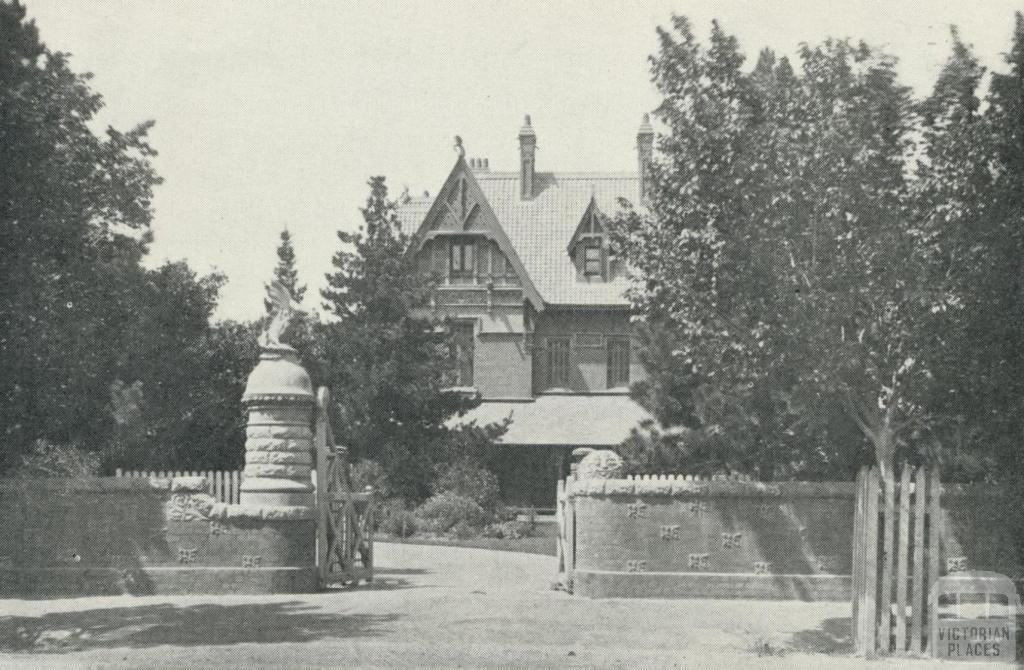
669 537
75 537
672 537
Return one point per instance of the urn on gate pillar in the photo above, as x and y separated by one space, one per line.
279 437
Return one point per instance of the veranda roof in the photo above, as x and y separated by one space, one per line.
600 420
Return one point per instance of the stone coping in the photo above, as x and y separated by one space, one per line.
680 486
262 512
198 484
86 484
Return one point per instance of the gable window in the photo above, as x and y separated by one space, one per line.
618 362
460 259
558 362
460 345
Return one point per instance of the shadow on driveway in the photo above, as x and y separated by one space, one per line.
206 624
834 636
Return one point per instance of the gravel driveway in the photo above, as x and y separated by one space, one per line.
431 607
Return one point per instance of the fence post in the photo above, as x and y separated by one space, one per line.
320 454
901 572
885 626
918 596
858 545
868 610
560 522
934 536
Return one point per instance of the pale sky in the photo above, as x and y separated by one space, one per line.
275 113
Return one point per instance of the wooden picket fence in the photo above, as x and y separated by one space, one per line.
896 545
224 484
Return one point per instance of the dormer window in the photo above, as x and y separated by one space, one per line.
589 247
592 258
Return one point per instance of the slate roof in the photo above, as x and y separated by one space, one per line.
602 420
540 229
411 213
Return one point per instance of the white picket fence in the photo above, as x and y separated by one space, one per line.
691 478
223 484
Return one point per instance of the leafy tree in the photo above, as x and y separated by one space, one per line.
969 193
784 289
183 378
96 352
383 359
74 215
285 272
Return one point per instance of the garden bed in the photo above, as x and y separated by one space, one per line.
543 542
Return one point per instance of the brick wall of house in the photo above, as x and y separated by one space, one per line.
587 364
502 366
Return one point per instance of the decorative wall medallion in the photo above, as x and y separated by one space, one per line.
182 507
637 510
251 561
698 561
956 564
187 555
636 566
762 567
670 532
732 540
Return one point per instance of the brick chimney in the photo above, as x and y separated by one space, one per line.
479 165
645 154
527 160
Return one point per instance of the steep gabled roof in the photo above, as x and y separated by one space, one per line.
541 228
535 233
482 214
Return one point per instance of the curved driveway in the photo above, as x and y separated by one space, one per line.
431 607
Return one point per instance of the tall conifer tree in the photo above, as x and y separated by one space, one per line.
285 271
385 361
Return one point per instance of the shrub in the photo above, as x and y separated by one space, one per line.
57 460
396 519
443 511
468 479
509 530
366 472
462 531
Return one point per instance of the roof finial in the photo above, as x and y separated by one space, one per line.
459 149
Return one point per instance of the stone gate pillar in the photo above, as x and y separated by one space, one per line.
279 437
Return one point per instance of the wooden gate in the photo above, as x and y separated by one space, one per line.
896 537
565 514
345 519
